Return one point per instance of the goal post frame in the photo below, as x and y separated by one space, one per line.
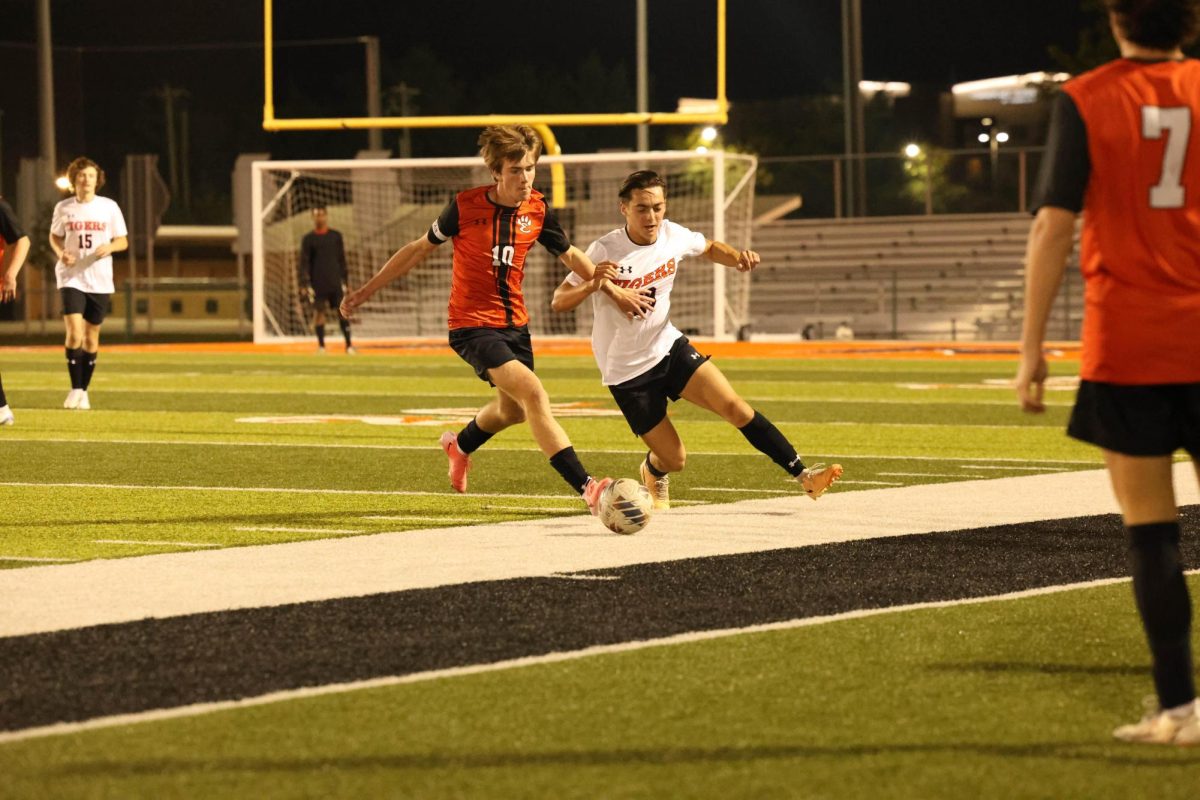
724 322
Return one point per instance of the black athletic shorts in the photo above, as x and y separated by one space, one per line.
331 298
486 348
643 400
94 307
1138 420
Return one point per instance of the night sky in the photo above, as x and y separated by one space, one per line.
108 97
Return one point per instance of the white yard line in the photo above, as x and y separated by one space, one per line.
533 449
412 518
39 560
1013 467
198 709
155 544
267 529
933 474
40 599
270 490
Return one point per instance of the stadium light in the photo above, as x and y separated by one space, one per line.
709 134
701 149
912 150
1001 137
984 138
63 183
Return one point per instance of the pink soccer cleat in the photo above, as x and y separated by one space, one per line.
460 464
592 492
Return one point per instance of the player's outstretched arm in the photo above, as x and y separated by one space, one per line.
1050 241
10 268
721 253
569 295
399 265
632 303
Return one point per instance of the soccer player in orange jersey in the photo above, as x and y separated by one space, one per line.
1123 150
493 228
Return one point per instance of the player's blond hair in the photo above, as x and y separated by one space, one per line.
500 143
79 165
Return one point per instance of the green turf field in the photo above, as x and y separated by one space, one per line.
172 423
1003 699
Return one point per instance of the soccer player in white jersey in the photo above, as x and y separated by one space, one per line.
646 361
85 231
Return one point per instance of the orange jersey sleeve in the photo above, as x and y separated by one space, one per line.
1140 247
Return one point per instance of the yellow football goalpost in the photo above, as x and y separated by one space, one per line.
717 116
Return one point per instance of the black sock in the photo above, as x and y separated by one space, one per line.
653 469
320 335
767 439
1165 607
75 366
3 399
345 330
567 464
472 437
89 366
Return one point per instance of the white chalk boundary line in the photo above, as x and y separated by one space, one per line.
411 518
197 709
156 543
271 529
39 560
1094 464
272 490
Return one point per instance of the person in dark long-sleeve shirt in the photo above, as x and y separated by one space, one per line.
323 275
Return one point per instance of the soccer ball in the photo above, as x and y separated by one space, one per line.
625 506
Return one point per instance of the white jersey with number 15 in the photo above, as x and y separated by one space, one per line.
84 227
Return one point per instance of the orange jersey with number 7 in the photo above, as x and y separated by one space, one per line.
491 243
1140 247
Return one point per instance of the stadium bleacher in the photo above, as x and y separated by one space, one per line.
945 276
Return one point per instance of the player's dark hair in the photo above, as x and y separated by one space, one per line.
80 164
1157 24
642 179
500 143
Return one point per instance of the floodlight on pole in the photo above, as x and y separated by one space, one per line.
984 138
912 150
63 183
1001 137
709 134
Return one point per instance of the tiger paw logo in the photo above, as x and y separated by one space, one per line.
524 223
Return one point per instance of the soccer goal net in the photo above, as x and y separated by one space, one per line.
380 205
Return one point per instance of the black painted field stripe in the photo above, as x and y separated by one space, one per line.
75 675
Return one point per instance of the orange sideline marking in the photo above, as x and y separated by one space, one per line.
973 351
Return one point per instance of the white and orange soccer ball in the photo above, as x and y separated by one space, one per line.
625 506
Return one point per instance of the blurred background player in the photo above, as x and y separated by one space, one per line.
14 247
85 231
493 227
645 361
1122 148
323 276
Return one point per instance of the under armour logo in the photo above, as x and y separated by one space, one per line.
695 356
623 269
794 461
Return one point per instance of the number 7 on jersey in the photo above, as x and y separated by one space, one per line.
1177 123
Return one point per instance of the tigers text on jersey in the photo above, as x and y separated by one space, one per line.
84 227
1125 147
625 348
490 245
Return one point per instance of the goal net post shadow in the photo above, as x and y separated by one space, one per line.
381 205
